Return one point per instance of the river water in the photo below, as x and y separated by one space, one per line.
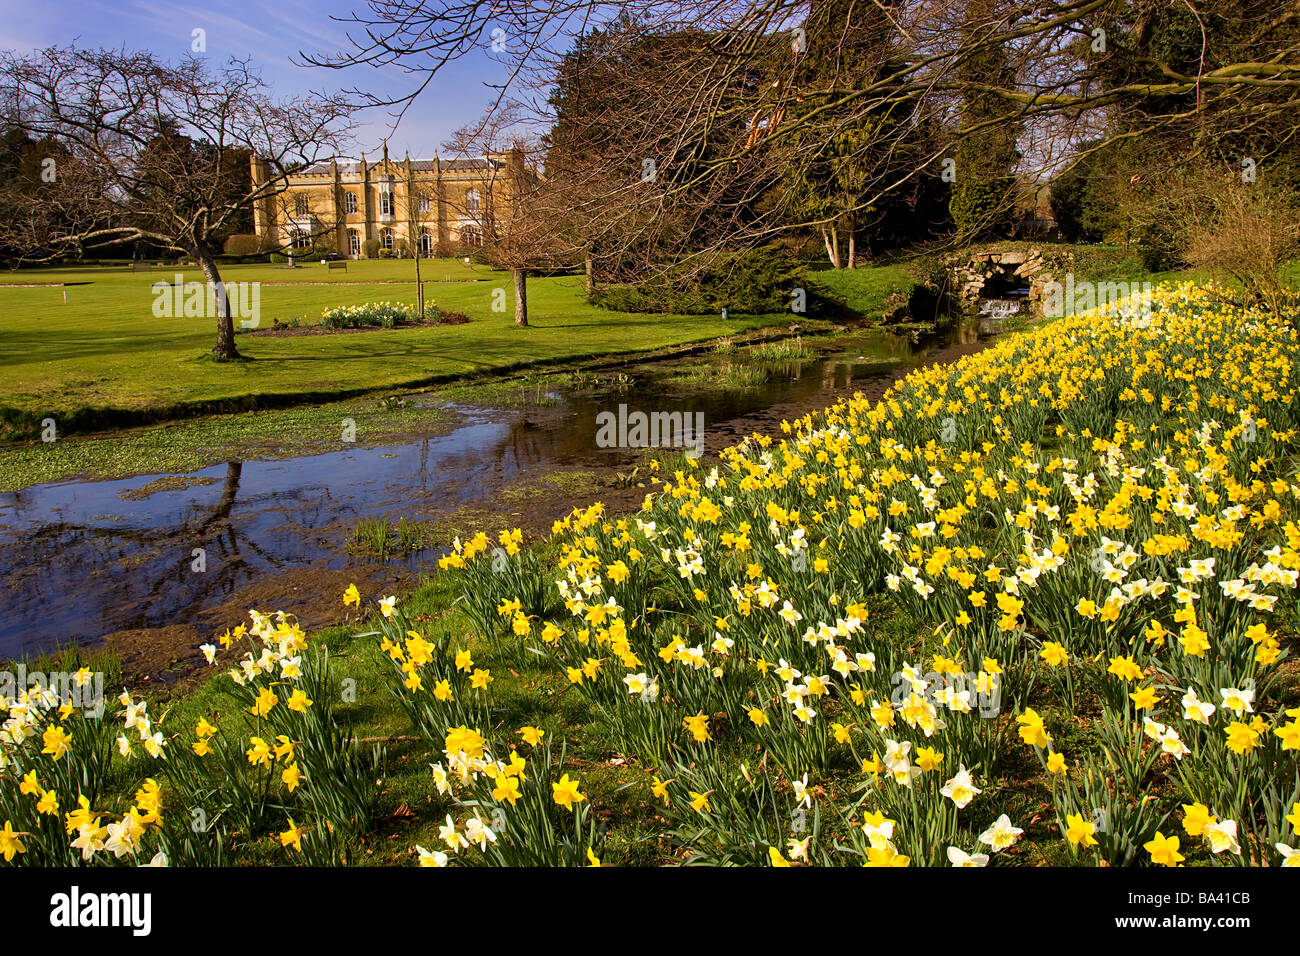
84 559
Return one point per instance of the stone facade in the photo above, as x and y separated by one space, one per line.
440 207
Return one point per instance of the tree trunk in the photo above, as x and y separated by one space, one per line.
521 297
225 347
591 277
229 492
832 251
419 287
853 249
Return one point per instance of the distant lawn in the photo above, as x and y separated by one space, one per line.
309 271
104 359
865 290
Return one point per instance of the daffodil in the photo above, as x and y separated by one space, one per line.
292 836
1001 834
1163 850
960 858
961 790
1080 831
565 792
431 857
10 844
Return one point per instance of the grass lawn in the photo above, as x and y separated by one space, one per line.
103 359
865 290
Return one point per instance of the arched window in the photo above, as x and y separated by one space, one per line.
425 203
472 201
386 202
471 236
354 243
350 203
386 239
301 239
301 205
426 244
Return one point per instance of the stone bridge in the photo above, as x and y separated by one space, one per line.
994 273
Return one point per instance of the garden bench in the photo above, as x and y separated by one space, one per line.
337 265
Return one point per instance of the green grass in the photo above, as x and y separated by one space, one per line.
104 360
719 376
780 351
866 290
187 446
384 539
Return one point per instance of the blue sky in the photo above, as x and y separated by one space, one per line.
270 31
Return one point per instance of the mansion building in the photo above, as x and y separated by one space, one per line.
363 210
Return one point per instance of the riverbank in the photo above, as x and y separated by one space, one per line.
277 497
380 416
95 357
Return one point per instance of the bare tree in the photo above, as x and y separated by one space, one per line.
157 153
528 222
718 102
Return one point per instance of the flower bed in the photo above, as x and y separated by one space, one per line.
382 314
1094 526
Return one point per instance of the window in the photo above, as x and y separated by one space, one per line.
386 239
350 203
385 202
471 236
354 242
425 203
301 239
426 244
472 202
301 206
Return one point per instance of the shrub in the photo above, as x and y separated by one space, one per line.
980 208
1248 237
751 282
1160 247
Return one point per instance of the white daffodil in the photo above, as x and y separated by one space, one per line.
431 857
1222 836
1196 709
1001 834
961 858
961 790
1238 700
